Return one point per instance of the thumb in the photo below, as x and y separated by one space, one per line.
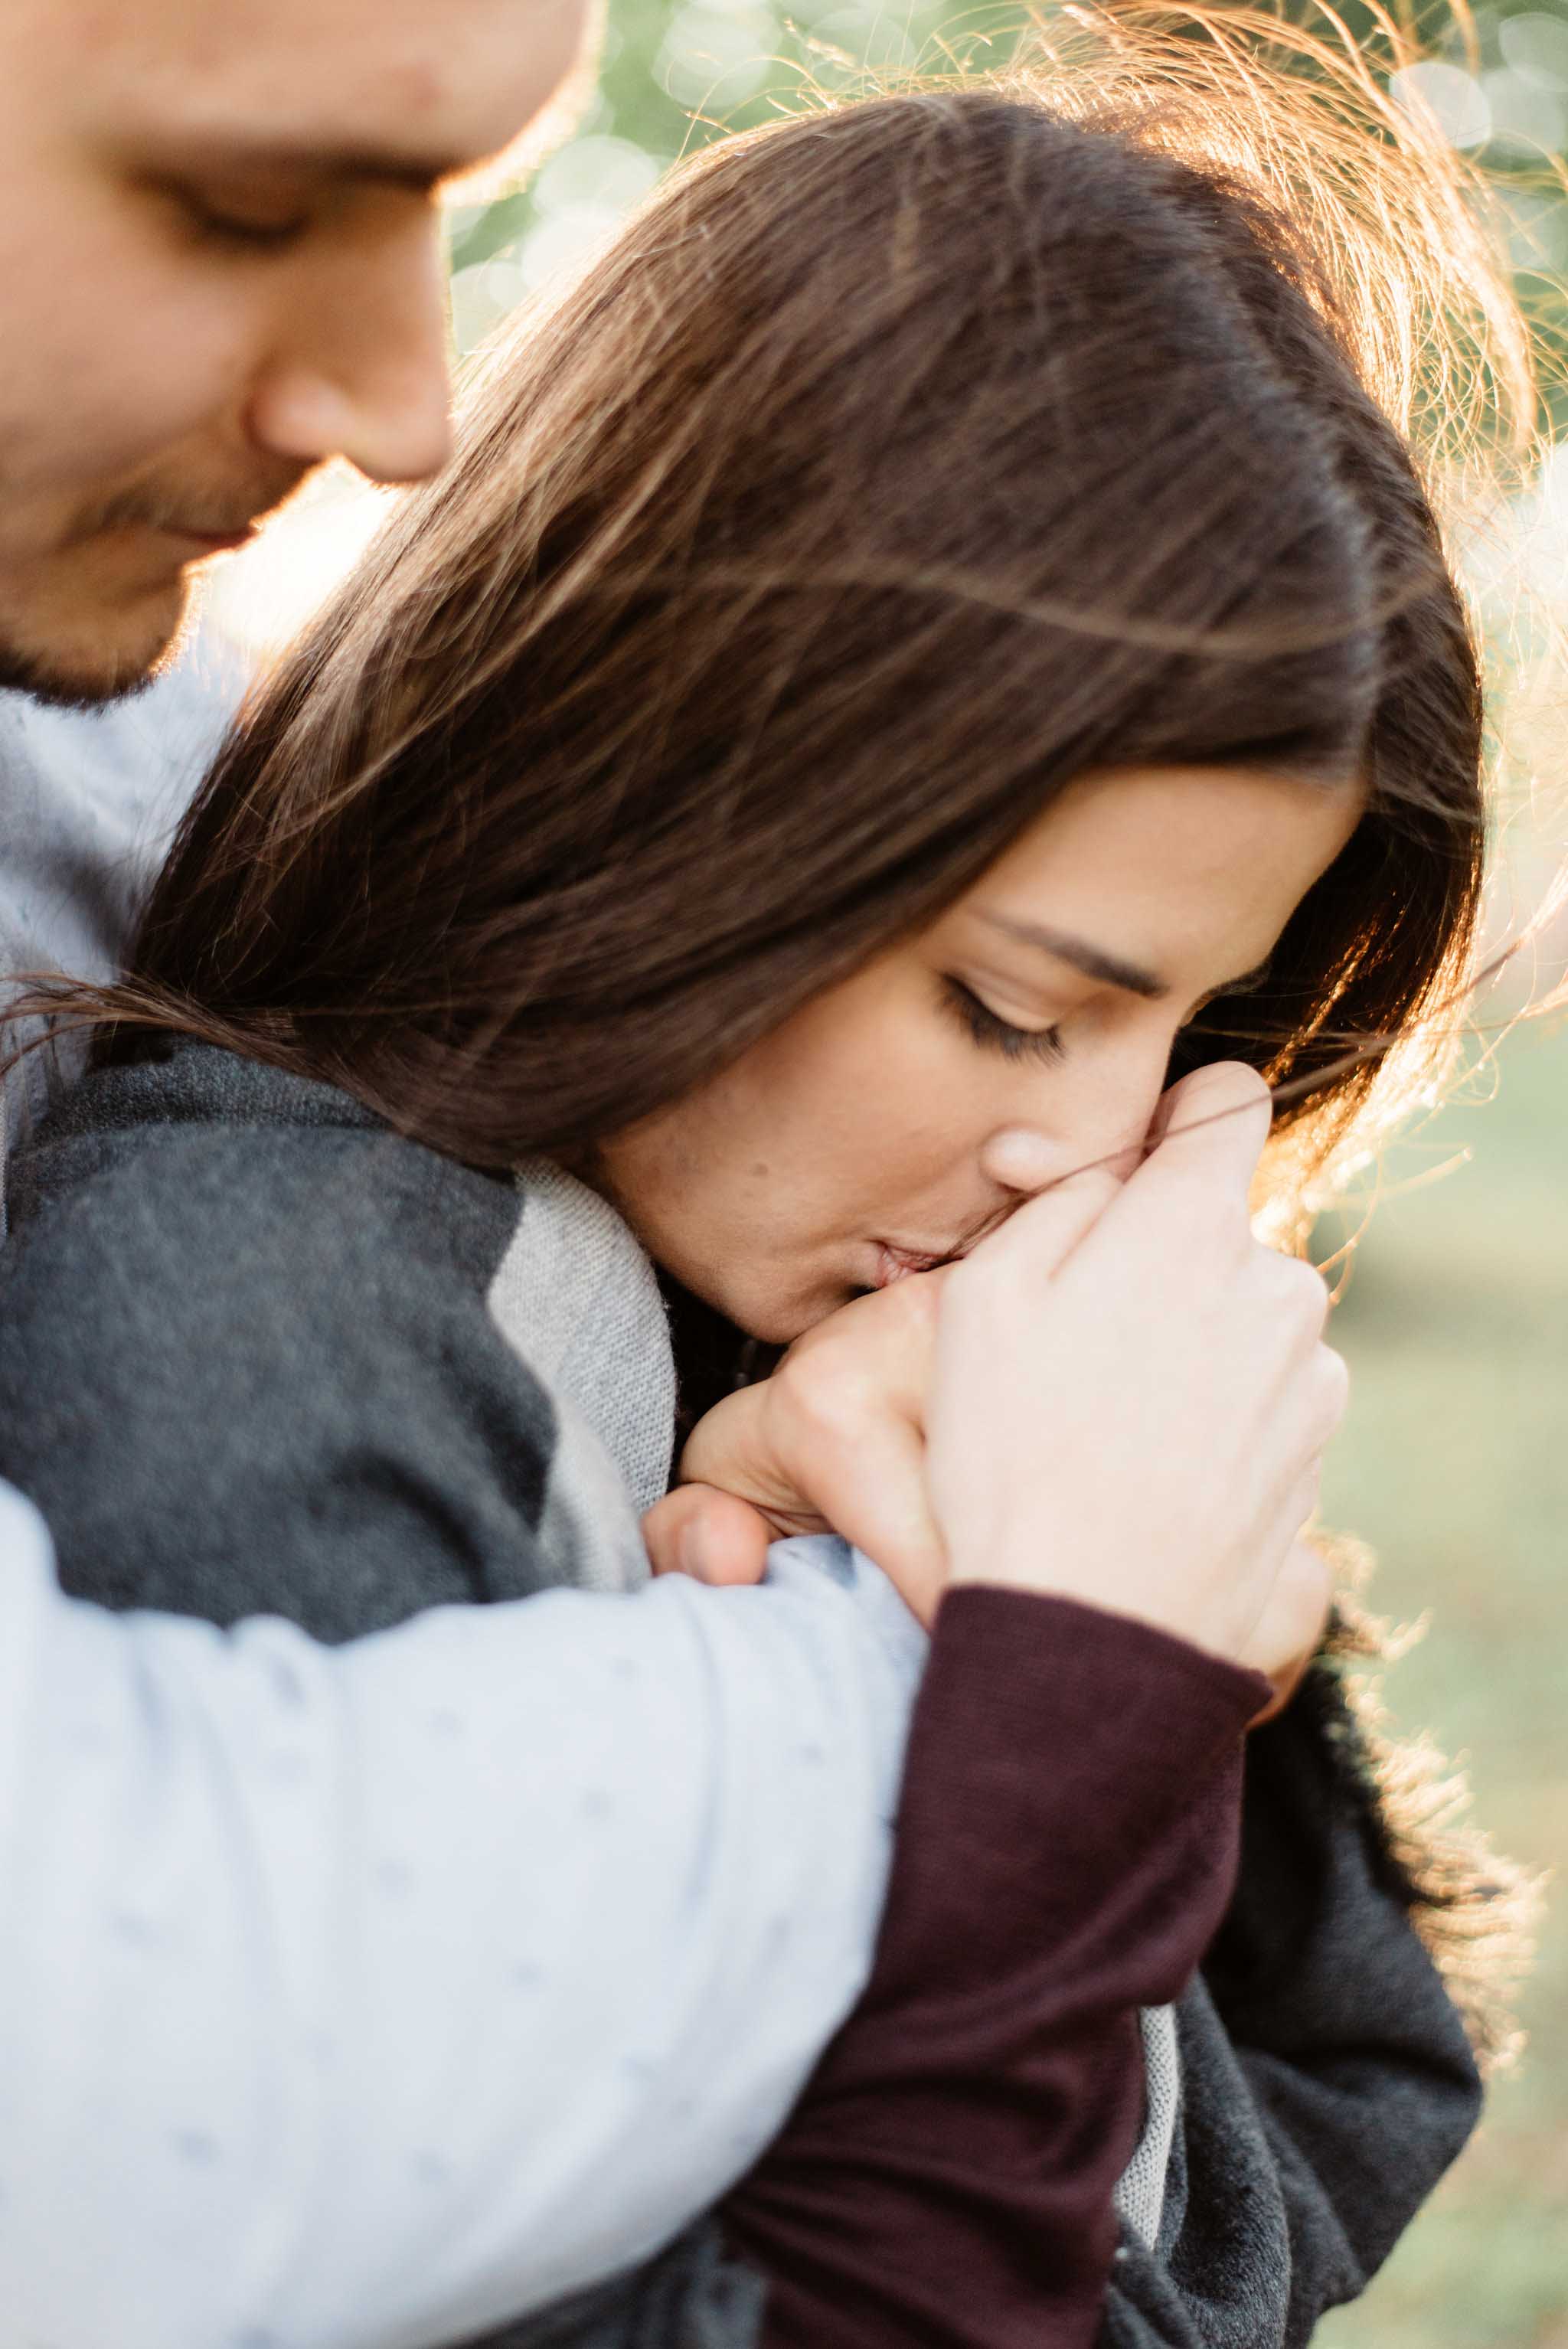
715 1538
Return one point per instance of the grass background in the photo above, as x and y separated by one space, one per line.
1454 1467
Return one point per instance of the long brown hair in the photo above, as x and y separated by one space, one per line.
897 464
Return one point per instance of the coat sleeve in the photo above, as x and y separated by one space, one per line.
1323 2034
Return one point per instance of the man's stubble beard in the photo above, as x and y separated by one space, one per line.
82 649
62 683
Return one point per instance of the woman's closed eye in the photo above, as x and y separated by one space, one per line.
995 1034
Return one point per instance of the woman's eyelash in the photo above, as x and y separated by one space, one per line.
998 1035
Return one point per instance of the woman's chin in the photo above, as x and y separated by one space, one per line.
777 1310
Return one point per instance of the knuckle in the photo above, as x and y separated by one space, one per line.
912 1308
987 1272
823 1389
1220 1085
1333 1385
1297 1290
1219 1116
1310 1579
1302 1615
851 1379
1097 1183
1095 1192
1311 1295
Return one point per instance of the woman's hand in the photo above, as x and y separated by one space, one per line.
1125 1396
1131 1395
835 1440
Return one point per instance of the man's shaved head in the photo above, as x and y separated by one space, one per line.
219 265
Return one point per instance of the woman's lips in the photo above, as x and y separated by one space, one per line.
898 1263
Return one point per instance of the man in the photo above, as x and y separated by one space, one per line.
222 263
261 2077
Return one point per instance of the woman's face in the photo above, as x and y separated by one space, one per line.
899 1113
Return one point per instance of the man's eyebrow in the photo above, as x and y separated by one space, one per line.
326 157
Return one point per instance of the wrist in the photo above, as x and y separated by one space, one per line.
1009 1569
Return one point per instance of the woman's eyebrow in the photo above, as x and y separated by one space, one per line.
1092 960
1111 969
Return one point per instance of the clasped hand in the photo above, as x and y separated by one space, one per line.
1120 1397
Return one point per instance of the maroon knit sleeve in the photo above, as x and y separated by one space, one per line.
1065 1849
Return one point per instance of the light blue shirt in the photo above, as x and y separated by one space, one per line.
366 1997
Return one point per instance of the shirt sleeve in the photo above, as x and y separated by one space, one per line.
376 1994
1066 1842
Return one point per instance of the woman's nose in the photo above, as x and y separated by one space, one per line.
1021 1160
1107 1124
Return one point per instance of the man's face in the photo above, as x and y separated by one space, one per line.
219 265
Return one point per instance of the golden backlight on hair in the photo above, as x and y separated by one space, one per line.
1403 227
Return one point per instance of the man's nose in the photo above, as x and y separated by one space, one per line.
363 372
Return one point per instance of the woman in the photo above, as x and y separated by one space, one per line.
938 603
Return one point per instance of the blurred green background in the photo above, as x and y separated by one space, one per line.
1455 1465
675 75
